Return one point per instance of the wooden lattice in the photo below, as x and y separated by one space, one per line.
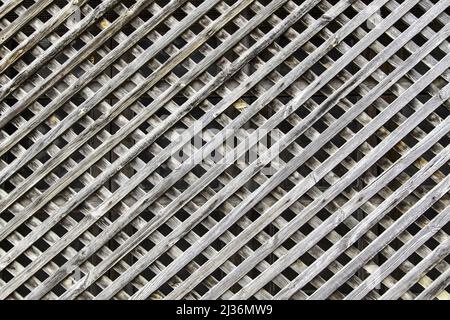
347 198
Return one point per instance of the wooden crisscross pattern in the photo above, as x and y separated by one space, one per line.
98 97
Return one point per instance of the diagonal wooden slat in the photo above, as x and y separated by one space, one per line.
76 59
224 149
363 71
151 165
8 6
89 190
402 223
22 20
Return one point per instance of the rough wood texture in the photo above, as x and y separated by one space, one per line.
224 149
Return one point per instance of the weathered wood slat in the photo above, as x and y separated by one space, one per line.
153 164
72 147
101 182
304 245
215 202
107 88
8 6
216 149
362 228
363 71
240 210
18 249
436 287
412 245
22 20
37 36
239 7
397 227
85 78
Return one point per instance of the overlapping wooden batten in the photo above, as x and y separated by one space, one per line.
336 185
